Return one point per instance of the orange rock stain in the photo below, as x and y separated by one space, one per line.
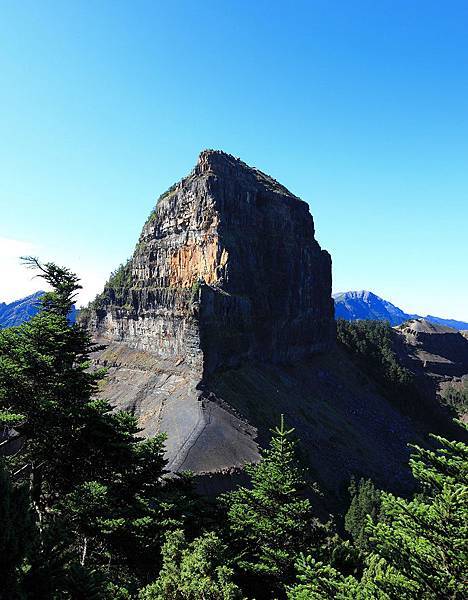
194 261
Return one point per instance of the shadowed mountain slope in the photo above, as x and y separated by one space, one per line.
22 310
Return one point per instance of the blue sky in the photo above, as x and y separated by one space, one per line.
359 107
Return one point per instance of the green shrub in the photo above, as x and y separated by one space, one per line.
193 571
457 397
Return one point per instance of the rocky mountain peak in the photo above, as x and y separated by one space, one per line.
222 164
363 304
226 271
233 253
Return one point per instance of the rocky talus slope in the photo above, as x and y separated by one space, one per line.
436 348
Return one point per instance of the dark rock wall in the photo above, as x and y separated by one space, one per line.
272 299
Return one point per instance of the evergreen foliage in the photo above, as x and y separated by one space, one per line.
116 288
193 571
419 545
86 512
94 486
372 343
365 501
121 277
457 396
270 522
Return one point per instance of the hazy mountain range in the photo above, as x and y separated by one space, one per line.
365 305
18 311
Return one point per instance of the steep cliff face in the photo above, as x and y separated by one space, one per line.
226 271
227 268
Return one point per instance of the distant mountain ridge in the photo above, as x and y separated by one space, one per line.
365 305
19 311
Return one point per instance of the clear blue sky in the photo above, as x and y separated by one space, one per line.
359 107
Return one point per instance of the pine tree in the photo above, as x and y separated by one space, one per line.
365 500
193 571
94 485
271 522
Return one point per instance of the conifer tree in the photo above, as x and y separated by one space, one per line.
94 485
365 500
195 571
270 522
426 539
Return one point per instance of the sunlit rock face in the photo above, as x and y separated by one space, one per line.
226 271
